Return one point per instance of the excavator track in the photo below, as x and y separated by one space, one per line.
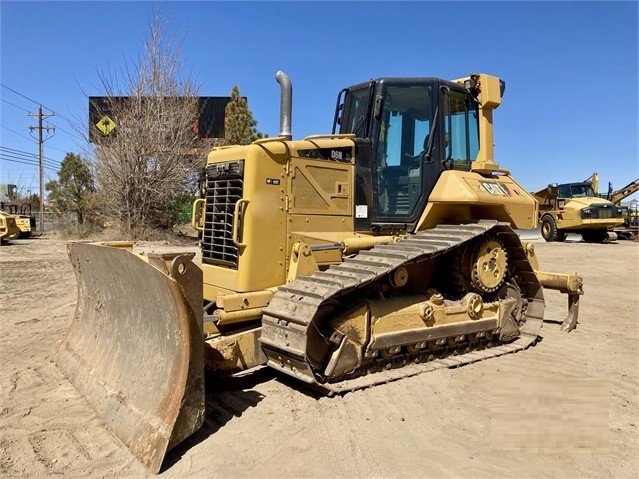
297 307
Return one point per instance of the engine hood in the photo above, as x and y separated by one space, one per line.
586 201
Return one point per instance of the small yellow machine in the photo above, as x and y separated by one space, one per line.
24 220
577 208
8 226
381 250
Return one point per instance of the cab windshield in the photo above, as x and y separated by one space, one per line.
579 190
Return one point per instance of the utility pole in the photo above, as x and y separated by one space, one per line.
41 140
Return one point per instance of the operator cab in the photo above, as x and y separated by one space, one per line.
407 132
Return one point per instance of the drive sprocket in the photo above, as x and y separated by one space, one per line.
489 266
480 267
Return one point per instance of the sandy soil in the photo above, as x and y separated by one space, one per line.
567 407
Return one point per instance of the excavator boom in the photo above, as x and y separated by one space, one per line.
624 192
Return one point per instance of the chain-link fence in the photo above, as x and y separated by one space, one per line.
48 221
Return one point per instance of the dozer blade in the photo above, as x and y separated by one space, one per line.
135 347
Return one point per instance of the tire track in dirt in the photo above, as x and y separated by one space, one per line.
347 430
47 428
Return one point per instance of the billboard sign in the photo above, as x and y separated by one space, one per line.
208 121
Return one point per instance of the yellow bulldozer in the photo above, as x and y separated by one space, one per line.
381 250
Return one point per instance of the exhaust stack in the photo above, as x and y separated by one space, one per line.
286 104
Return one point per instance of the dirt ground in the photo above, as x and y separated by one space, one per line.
567 407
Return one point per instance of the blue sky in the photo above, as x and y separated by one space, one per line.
571 69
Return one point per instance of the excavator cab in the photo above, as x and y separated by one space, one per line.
407 132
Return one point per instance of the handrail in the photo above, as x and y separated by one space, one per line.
259 141
330 135
194 215
236 222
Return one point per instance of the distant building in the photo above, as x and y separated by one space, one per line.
10 191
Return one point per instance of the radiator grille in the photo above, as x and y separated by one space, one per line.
601 211
224 188
604 213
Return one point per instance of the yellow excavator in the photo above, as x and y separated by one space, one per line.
381 250
622 193
630 227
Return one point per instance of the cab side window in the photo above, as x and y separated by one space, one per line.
461 130
356 114
564 191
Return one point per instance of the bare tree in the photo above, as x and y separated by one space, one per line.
150 155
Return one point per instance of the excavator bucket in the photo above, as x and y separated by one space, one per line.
135 345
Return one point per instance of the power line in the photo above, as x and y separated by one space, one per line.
49 168
25 155
5 157
15 156
30 154
33 140
66 131
40 104
17 159
30 161
13 104
2 157
36 102
24 109
20 134
23 96
54 113
13 150
58 149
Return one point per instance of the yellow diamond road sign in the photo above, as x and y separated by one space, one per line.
106 125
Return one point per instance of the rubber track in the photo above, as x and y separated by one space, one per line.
291 311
